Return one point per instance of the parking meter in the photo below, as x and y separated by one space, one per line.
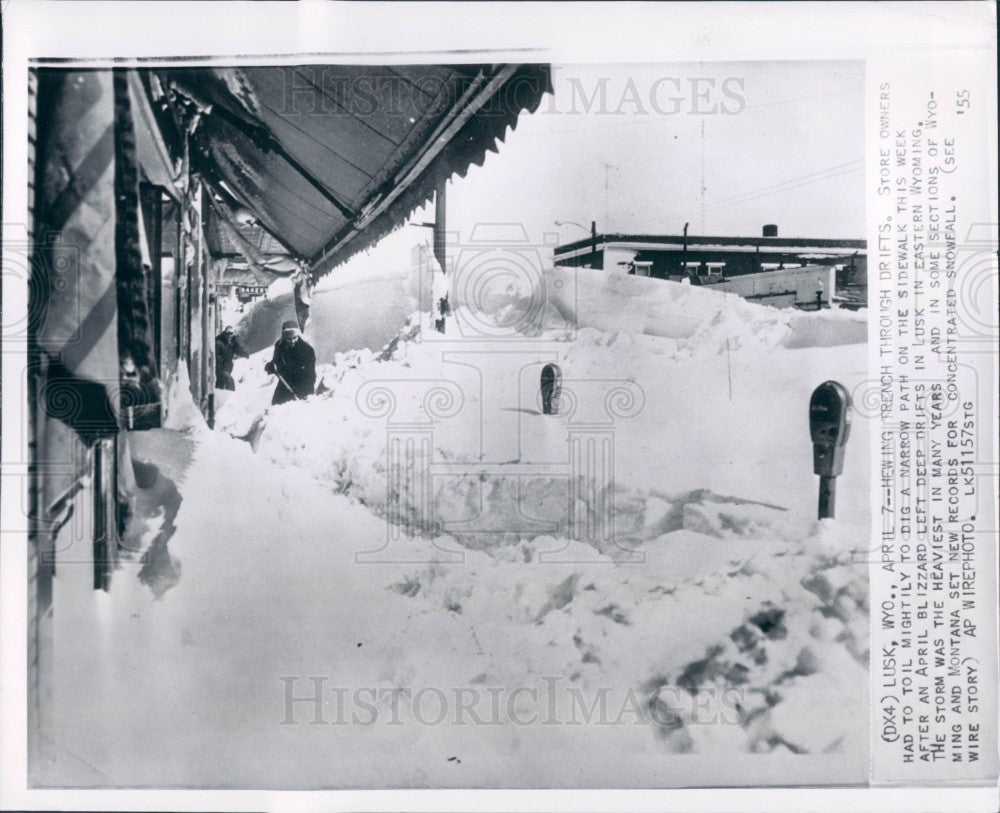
829 426
551 384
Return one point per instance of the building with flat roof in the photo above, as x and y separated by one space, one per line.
712 260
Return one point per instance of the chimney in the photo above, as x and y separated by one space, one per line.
771 230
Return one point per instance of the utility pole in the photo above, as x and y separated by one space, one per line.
607 167
593 237
703 176
684 254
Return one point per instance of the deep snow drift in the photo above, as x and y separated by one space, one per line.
712 487
346 313
650 554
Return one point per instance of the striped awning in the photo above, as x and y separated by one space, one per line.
89 307
330 158
75 301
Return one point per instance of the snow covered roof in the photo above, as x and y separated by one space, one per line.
330 158
812 247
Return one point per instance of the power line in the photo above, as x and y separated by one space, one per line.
703 187
725 203
773 189
829 171
607 215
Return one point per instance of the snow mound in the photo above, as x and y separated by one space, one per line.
827 329
700 318
722 644
261 325
692 567
340 436
182 413
369 315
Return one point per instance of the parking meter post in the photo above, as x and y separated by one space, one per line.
829 426
827 496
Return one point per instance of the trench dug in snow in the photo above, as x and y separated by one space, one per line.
703 498
420 524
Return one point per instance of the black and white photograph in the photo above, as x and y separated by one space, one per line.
538 491
481 420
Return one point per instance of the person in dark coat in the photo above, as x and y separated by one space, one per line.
295 361
227 348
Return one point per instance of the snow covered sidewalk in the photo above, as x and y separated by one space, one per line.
268 575
271 604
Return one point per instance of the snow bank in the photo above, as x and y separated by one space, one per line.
615 302
367 312
717 645
827 329
716 618
342 440
717 578
344 315
261 325
182 413
573 299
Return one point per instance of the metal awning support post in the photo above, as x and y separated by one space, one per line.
440 249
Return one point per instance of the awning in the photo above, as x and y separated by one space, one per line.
330 158
221 242
227 236
154 157
75 291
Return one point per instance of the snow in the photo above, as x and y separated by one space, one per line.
340 314
715 615
181 412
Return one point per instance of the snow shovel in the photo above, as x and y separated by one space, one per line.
282 380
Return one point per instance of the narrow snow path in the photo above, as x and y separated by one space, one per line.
454 661
189 689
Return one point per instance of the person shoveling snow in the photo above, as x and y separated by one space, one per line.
294 363
227 350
